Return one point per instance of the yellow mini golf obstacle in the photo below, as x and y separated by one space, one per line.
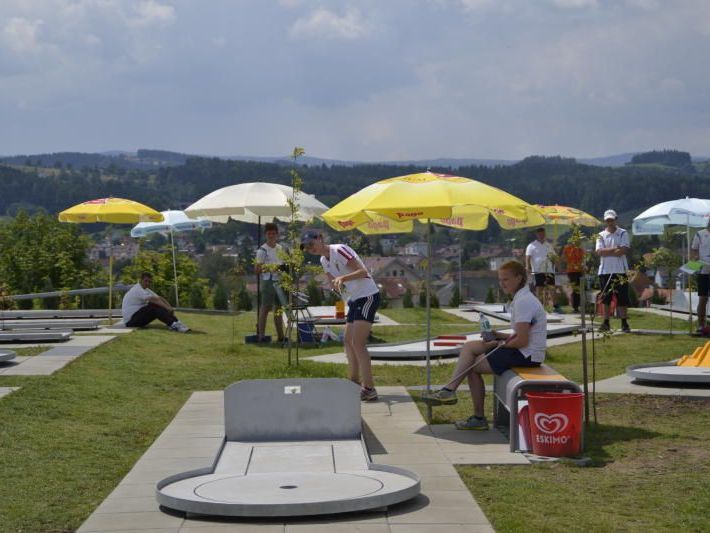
693 368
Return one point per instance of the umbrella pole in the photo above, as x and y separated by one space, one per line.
428 318
582 287
172 245
258 280
110 274
687 277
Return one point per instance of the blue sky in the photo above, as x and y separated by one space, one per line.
365 80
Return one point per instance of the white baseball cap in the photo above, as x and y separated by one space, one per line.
609 213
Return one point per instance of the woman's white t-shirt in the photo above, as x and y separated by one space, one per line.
527 308
336 264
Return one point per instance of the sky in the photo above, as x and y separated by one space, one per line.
357 80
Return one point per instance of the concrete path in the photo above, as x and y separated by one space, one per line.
396 434
624 384
55 358
4 391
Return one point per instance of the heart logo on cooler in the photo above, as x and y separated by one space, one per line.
551 423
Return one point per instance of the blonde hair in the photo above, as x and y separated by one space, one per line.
517 269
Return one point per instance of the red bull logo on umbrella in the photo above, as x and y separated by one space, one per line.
409 214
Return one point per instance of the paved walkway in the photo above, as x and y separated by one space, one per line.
58 356
396 434
624 384
4 391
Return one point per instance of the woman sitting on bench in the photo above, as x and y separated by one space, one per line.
497 352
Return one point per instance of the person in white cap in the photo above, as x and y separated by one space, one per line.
613 244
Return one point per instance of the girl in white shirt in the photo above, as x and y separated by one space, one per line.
345 270
525 347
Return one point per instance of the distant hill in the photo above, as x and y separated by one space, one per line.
146 159
618 160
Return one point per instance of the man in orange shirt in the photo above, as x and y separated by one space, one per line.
573 257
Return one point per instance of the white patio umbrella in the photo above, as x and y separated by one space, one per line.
173 221
249 202
688 212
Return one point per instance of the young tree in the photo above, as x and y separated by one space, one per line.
219 300
407 300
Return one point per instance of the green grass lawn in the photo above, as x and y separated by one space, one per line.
67 439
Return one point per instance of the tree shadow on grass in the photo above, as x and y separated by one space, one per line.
598 438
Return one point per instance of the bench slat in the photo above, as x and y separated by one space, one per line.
538 372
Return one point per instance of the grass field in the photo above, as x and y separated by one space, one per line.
67 439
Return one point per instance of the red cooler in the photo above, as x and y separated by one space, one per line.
556 420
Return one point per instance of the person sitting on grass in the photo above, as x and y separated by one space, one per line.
499 352
141 306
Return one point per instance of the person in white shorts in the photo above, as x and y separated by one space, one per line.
345 270
540 267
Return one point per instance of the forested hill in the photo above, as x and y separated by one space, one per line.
545 180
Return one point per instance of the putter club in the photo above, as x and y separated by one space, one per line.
433 401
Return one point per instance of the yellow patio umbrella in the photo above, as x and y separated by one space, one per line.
566 216
110 211
428 197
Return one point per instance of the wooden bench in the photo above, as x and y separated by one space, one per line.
512 386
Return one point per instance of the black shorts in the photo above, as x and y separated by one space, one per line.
544 279
611 284
505 358
703 285
363 308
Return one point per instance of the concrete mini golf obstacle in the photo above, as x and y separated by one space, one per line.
292 447
500 312
36 336
7 355
694 368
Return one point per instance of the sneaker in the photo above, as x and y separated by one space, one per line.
472 422
557 309
179 327
368 395
625 326
605 326
441 397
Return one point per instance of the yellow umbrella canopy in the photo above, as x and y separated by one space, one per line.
111 211
429 197
560 214
446 200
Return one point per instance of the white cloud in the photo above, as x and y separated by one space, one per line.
150 12
21 35
575 4
324 24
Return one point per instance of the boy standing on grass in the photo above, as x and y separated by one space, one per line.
269 254
613 244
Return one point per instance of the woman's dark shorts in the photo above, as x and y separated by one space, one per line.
543 279
363 308
505 358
